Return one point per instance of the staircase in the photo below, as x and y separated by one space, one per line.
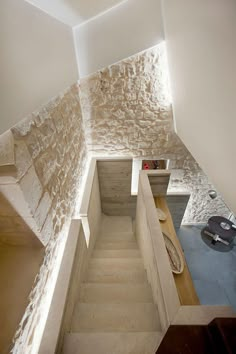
114 313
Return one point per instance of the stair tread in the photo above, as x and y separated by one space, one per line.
116 224
115 317
117 262
112 343
114 234
120 238
115 275
123 253
115 293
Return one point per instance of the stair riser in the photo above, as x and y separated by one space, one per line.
116 245
108 276
115 293
117 263
116 254
117 234
117 240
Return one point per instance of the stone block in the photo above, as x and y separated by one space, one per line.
31 188
58 120
44 114
34 143
43 209
22 157
23 128
45 166
47 230
48 131
7 156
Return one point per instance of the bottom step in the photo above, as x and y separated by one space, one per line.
112 343
126 317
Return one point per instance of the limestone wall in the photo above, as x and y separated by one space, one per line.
50 156
49 148
127 111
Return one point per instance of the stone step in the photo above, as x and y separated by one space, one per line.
116 224
125 253
115 233
116 270
116 245
112 343
117 237
115 293
105 274
116 263
112 233
136 317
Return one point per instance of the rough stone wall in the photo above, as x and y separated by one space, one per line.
50 155
127 111
126 108
49 148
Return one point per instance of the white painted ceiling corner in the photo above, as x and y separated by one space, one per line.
74 12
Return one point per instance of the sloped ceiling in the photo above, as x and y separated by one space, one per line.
128 29
74 12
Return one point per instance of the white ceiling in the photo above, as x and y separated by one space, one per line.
74 12
130 28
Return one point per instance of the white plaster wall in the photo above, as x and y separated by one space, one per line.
201 51
130 28
37 60
152 247
74 12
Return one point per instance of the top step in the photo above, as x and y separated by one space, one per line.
116 224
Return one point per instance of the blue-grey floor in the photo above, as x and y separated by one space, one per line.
213 272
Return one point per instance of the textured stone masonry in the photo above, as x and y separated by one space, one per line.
49 149
127 111
50 154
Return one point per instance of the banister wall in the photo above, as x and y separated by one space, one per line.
152 246
78 249
157 265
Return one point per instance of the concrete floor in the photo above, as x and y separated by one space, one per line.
213 272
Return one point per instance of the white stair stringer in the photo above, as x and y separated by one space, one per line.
115 312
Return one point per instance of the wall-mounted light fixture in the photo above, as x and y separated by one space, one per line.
212 193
